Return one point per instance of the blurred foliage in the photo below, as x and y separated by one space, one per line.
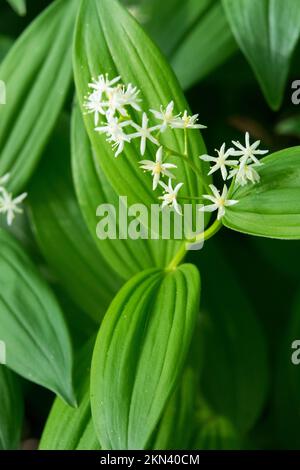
252 399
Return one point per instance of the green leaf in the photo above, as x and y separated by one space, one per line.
62 235
139 355
11 416
267 34
32 324
19 6
174 430
214 432
5 44
270 208
125 256
102 28
69 428
174 21
208 45
235 376
37 72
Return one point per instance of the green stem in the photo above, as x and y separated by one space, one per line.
186 143
203 236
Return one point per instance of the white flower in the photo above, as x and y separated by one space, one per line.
94 105
9 206
170 196
220 161
186 122
245 173
103 85
144 132
130 97
248 151
165 115
157 168
115 133
115 102
219 201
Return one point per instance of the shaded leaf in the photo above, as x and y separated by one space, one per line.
289 126
208 45
235 371
36 86
19 6
62 235
11 415
68 428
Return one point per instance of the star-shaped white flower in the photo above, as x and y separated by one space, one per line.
219 201
166 115
221 161
114 129
144 132
115 102
9 205
245 173
170 196
93 104
130 97
248 151
103 84
186 122
157 168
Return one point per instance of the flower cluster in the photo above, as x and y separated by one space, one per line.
116 105
113 102
9 205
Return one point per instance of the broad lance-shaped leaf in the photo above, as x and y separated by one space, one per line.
270 208
37 73
139 354
31 323
109 40
206 46
11 415
267 32
125 256
213 431
287 400
61 232
70 428
19 6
